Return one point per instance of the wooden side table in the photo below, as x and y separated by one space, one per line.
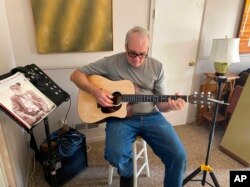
211 86
231 78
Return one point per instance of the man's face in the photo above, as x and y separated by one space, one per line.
137 49
16 87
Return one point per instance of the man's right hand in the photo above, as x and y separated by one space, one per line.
81 80
103 98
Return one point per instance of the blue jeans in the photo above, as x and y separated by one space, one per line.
160 136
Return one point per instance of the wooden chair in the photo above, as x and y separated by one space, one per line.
224 119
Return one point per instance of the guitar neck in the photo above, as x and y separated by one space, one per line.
151 98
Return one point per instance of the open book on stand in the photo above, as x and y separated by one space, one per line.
23 102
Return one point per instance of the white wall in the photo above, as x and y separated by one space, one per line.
126 13
6 53
219 23
221 19
14 150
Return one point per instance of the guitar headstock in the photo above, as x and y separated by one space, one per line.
201 99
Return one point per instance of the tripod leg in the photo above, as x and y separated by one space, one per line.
214 179
192 175
204 178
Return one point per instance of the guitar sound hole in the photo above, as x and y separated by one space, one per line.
117 103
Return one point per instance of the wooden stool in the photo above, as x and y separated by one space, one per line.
137 154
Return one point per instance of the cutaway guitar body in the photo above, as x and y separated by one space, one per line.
88 109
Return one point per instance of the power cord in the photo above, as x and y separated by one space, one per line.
68 144
67 113
31 181
89 148
68 141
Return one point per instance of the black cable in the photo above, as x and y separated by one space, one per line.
66 116
68 144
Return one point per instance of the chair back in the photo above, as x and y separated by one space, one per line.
233 100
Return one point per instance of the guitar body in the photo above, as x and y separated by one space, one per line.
88 109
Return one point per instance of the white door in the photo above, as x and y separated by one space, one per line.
176 30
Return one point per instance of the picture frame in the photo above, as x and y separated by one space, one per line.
236 139
63 26
244 33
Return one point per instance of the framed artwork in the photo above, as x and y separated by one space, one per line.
236 139
73 25
244 32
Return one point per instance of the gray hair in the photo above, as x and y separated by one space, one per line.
137 29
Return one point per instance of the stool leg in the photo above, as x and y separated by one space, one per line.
111 171
136 156
135 163
145 153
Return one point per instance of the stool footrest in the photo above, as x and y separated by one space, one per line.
140 170
140 153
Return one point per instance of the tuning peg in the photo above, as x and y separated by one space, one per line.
195 93
209 94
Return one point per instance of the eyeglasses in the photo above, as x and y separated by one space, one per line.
133 54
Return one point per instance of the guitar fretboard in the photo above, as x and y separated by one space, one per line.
151 98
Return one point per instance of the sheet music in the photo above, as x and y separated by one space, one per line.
23 101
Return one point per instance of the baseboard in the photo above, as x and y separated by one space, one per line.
94 135
236 157
191 120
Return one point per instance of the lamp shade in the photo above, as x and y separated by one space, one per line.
225 50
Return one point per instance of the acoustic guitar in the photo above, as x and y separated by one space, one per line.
123 92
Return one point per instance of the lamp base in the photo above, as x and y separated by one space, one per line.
219 74
221 68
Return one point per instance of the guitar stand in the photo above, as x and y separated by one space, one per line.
205 168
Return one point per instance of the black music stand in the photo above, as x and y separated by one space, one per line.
40 83
51 156
205 168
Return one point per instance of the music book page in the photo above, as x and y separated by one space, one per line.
23 101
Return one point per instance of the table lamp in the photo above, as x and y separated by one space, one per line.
224 51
